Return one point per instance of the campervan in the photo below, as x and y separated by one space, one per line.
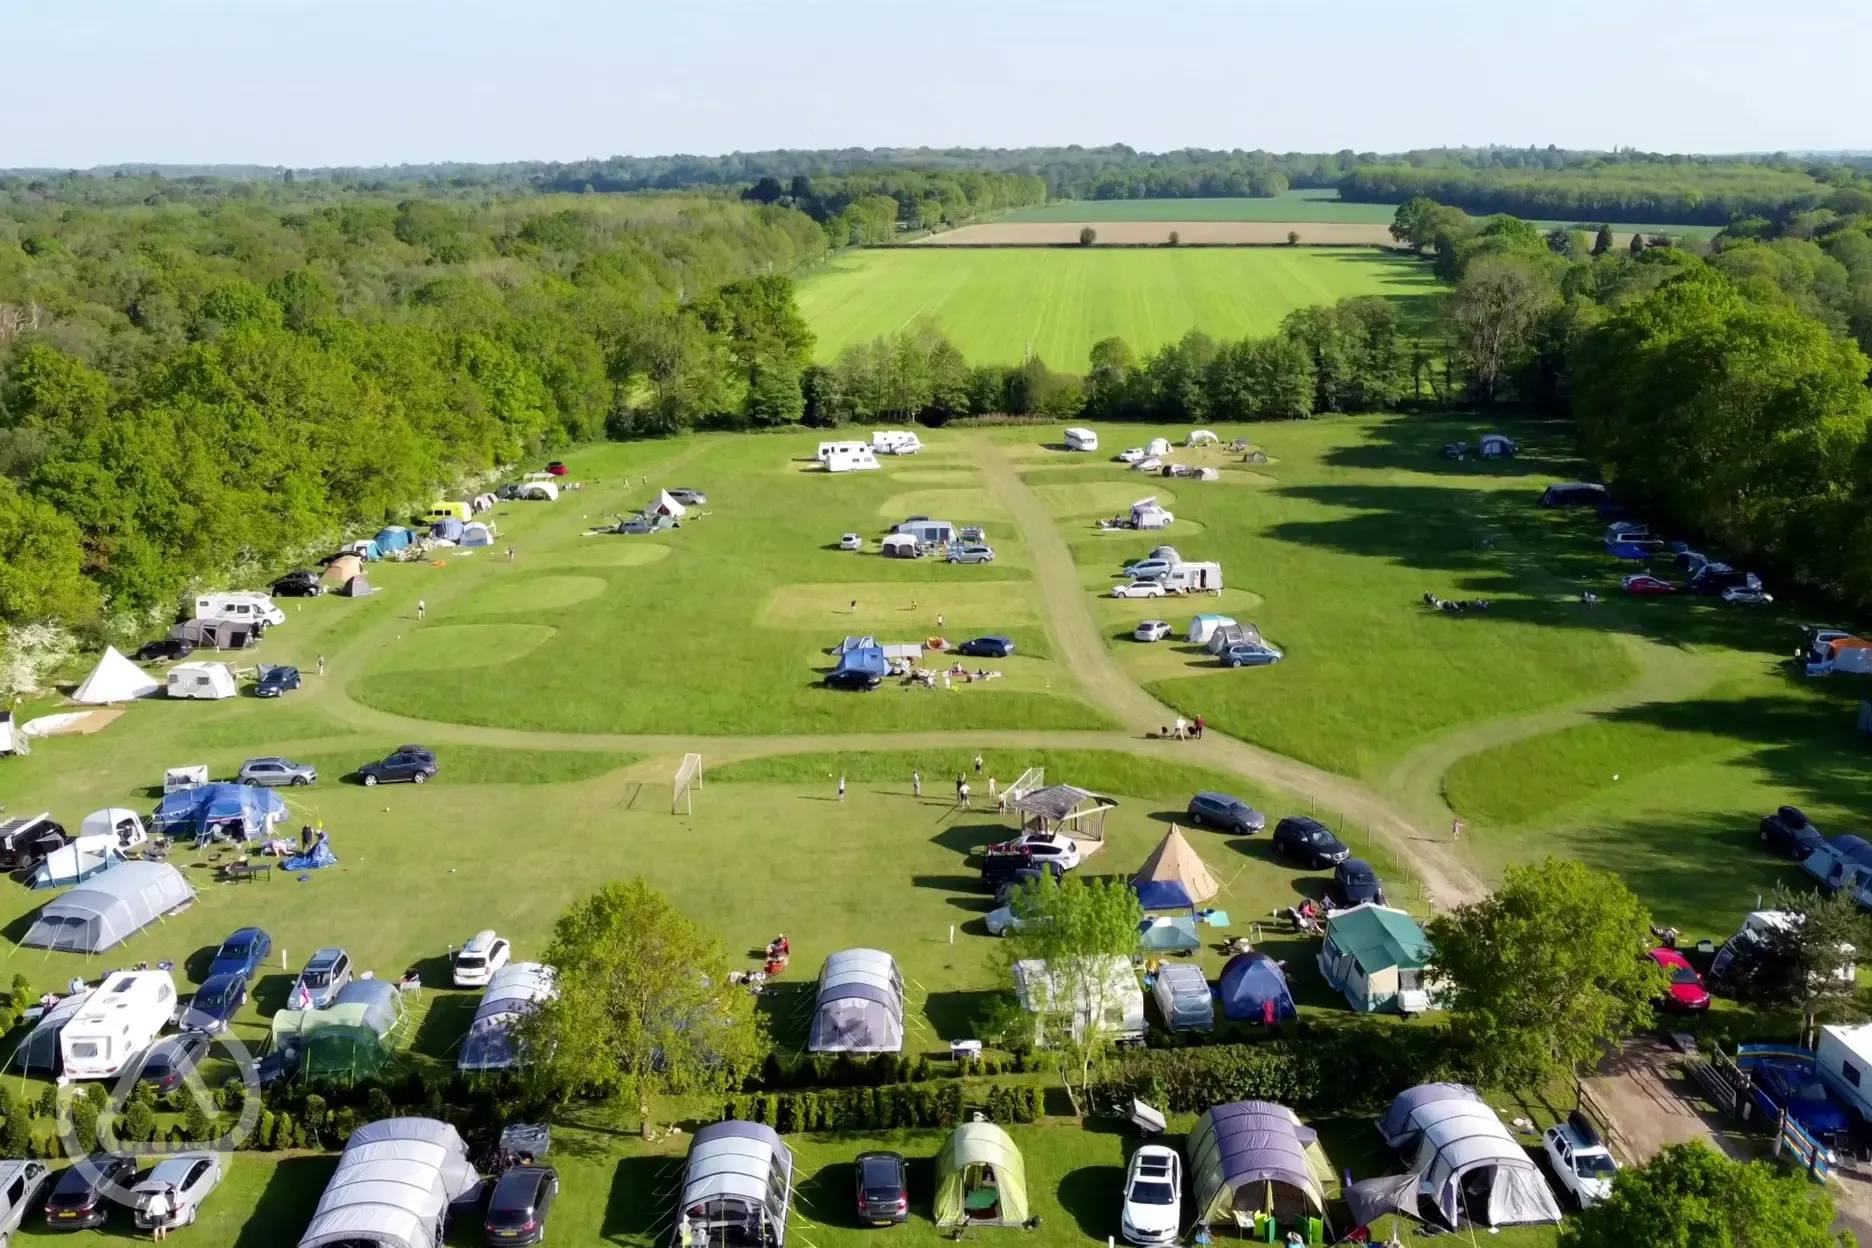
1113 1004
1843 1060
1193 578
201 680
1081 440
895 442
121 1019
446 511
240 606
829 449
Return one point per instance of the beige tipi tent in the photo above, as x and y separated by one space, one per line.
114 679
342 569
1174 862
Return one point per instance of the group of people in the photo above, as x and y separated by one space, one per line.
1183 730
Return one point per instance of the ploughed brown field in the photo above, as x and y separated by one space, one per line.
1049 233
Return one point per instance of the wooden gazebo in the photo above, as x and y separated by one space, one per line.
1065 810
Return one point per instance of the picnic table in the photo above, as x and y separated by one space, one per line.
246 869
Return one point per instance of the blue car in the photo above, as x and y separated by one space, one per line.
214 1003
1806 1098
1248 654
241 954
275 681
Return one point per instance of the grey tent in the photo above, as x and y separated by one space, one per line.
736 1188
861 1004
1416 1107
1183 997
356 587
393 1186
1371 1199
109 908
511 994
1469 1167
1253 1156
220 634
40 1049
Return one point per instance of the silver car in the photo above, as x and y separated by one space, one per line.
272 772
972 554
184 1181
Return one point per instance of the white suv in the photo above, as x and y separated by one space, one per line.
1580 1160
1153 1198
484 954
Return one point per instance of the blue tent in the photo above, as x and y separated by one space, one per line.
213 807
447 528
321 856
1254 989
1163 895
393 539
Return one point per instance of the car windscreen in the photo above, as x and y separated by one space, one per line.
238 947
1152 1193
316 979
216 998
1683 975
1594 1165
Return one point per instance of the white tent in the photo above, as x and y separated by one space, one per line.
544 490
123 827
1468 1164
477 534
1158 446
1201 437
668 506
77 862
861 1005
114 679
10 744
898 546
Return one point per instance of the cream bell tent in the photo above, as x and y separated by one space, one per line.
114 679
1174 862
667 506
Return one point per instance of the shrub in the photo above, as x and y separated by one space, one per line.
285 1132
137 1125
1088 236
262 1136
1175 238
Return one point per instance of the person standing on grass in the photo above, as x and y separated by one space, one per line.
939 624
510 554
853 609
916 784
422 608
978 764
841 788
321 665
962 795
991 790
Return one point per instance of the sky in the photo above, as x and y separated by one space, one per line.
310 83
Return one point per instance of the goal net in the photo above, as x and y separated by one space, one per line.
1031 779
688 778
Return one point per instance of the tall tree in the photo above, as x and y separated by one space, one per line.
1547 973
1690 1196
1496 308
1602 243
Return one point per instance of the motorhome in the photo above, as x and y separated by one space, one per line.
1081 440
895 442
120 1021
241 606
1843 1060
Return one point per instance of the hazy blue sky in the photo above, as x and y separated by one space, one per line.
346 82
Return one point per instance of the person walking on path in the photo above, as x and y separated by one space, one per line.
916 784
321 665
960 786
1455 830
422 608
853 609
841 788
1199 727
978 764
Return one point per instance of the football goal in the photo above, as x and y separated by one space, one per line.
688 779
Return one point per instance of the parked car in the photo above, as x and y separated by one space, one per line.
853 678
23 1186
688 497
1686 986
80 1199
1250 654
971 554
215 1004
1001 920
1131 455
1231 814
242 954
1005 890
1712 579
1001 863
987 647
517 1210
188 1179
1795 1087
303 584
1744 596
637 524
1045 849
851 541
1138 589
1580 1160
1644 585
1354 883
1151 630
275 681
170 1060
275 772
883 1189
1305 838
1790 833
25 842
164 650
484 954
1153 1197
320 981
557 469
411 763
1148 567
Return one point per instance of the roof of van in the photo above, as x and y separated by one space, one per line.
480 942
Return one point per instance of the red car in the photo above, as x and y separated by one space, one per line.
1647 586
1686 986
557 469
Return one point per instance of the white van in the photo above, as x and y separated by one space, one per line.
1081 440
201 680
895 442
120 1020
241 606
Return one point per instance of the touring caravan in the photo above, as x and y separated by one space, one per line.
1081 440
829 449
1842 1059
1119 1006
120 1020
240 606
1193 578
895 442
860 460
201 680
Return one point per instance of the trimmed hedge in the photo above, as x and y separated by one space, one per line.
850 1109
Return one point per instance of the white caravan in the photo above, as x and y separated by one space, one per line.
1193 578
121 1019
895 442
1112 1003
828 449
201 680
860 460
1081 440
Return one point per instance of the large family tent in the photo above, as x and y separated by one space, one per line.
861 1004
1183 998
1468 1165
393 1187
737 1188
512 993
1254 989
477 534
356 587
393 539
980 1179
110 908
1203 627
114 679
539 491
342 569
77 862
899 546
447 529
1173 876
1376 956
1404 1121
40 1050
1254 1158
352 1038
243 811
218 634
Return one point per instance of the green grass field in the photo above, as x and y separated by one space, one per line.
993 304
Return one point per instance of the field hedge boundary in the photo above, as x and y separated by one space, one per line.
1071 246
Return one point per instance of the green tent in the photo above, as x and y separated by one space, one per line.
980 1179
353 1038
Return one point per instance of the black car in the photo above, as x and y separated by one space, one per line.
171 1059
79 1200
998 866
409 762
987 647
275 681
1790 833
1354 883
517 1210
1712 579
883 1189
298 585
164 650
24 843
1307 840
1231 814
853 678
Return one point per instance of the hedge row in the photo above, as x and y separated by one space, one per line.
822 1070
851 1109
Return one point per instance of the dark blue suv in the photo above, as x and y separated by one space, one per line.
241 953
275 681
410 762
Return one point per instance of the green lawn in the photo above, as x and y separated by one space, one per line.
995 304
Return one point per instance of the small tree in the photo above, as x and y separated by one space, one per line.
1603 243
1079 930
1087 236
1175 238
1688 1194
1637 243
1805 960
1293 238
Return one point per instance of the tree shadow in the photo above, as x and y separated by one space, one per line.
956 1014
969 839
948 883
1544 448
444 1024
788 1008
270 992
642 1200
285 1206
1087 1196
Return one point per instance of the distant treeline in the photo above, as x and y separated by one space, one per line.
866 208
